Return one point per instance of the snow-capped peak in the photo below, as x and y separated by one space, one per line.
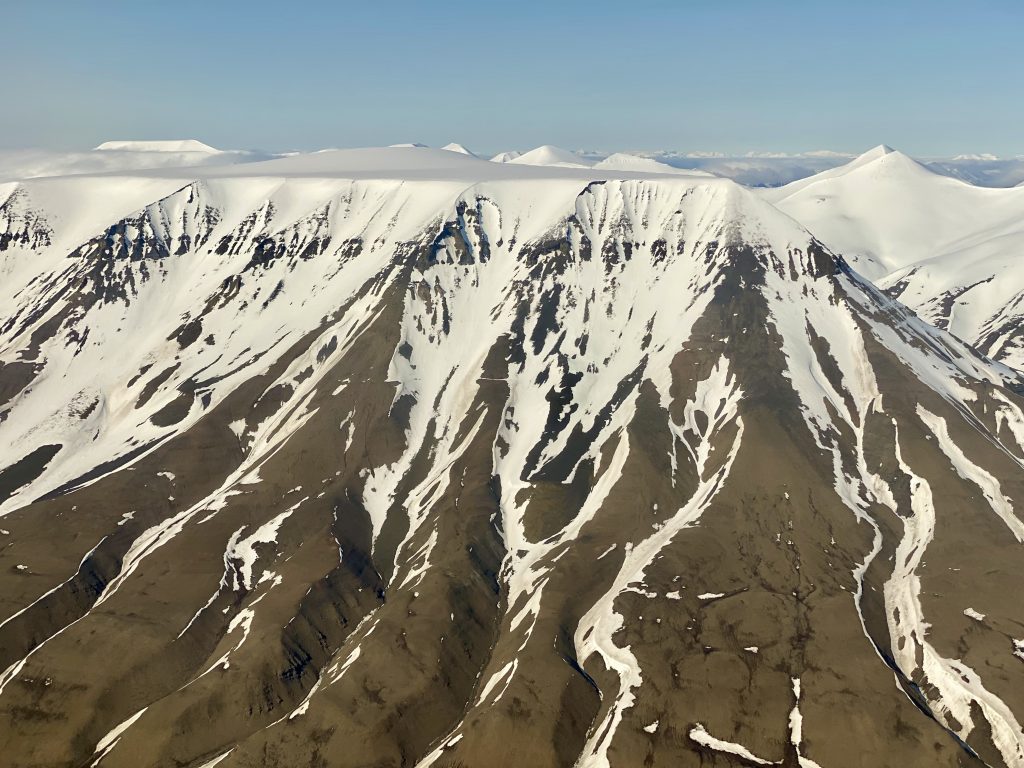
882 156
506 157
881 152
456 147
889 159
873 154
621 161
551 155
942 246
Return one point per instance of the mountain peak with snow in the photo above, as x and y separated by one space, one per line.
878 151
456 147
622 161
882 158
506 157
875 153
548 154
886 160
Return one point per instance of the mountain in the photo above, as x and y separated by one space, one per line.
454 147
505 157
549 155
403 457
947 249
617 162
758 169
882 151
627 162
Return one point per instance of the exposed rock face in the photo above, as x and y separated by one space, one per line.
404 473
21 224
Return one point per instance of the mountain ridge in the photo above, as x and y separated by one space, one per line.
528 466
943 246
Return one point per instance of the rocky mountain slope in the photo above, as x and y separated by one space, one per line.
405 458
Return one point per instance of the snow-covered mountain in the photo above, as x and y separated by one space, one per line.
504 157
556 157
949 250
626 162
551 155
456 147
758 169
404 457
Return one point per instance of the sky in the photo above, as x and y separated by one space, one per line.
930 78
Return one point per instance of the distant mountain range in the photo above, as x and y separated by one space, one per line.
751 169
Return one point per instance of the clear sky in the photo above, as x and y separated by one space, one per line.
930 78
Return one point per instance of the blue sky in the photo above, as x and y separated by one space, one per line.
930 78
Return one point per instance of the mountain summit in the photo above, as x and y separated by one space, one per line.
873 154
550 155
455 147
945 247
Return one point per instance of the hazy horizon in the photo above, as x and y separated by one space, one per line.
488 152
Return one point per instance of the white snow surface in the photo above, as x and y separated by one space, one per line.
551 155
620 161
504 157
181 145
456 147
950 250
17 164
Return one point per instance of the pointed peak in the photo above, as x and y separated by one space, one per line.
623 161
506 157
882 156
874 154
548 154
456 147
